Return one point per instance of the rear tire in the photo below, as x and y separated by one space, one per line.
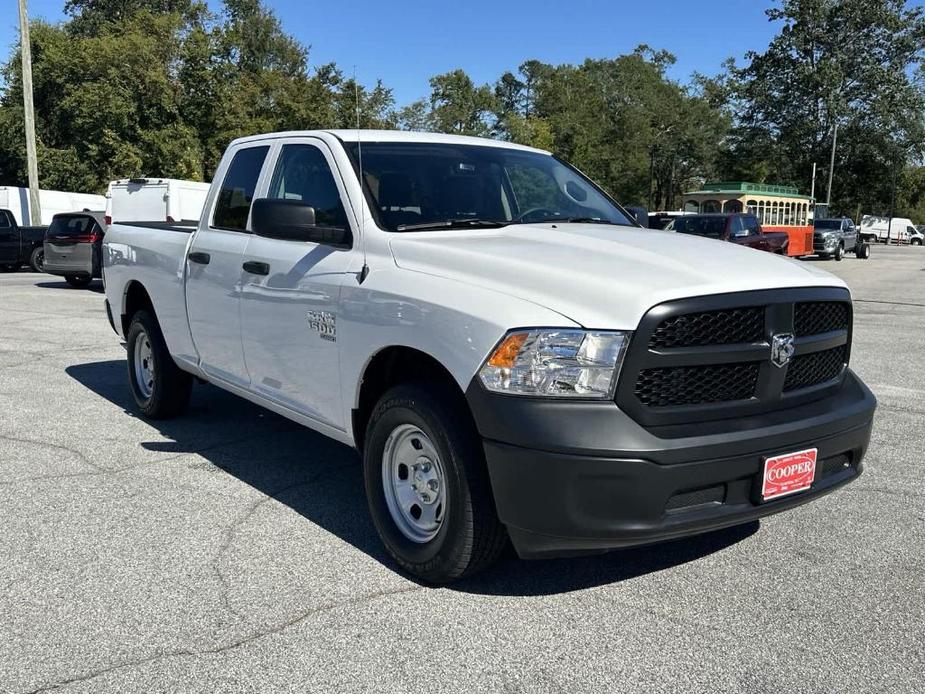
862 252
77 280
160 388
427 484
37 260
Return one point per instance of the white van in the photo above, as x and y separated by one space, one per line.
901 230
52 202
154 200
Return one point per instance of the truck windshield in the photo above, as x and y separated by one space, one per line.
827 224
711 227
420 185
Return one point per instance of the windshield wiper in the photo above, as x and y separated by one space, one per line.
453 224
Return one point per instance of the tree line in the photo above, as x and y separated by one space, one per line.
128 88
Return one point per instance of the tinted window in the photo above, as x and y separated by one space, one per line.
827 224
67 225
303 174
711 227
751 224
237 192
422 183
5 221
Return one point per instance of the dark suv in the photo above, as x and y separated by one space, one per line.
832 238
743 229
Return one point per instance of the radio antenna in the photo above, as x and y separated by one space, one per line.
364 271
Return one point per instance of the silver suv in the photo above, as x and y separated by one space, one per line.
73 244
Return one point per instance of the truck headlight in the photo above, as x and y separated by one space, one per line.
556 363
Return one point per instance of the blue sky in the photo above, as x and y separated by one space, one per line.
404 43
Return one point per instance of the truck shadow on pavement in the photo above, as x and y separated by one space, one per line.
322 481
94 286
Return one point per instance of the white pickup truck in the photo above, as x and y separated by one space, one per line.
512 356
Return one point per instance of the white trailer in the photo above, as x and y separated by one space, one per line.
16 200
155 200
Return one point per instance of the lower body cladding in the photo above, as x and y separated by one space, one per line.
582 477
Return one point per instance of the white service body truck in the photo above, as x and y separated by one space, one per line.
155 199
51 202
895 229
513 358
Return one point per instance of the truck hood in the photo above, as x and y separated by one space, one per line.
599 276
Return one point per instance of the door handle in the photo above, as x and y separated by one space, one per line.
256 268
201 258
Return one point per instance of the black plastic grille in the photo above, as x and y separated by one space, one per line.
727 327
813 318
811 369
696 385
710 495
829 466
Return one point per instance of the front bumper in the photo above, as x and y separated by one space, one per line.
575 478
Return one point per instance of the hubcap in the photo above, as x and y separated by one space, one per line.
144 365
414 483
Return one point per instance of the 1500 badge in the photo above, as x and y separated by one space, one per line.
324 323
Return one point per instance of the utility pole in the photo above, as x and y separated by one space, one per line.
828 197
35 211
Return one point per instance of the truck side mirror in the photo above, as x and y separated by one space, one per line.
294 220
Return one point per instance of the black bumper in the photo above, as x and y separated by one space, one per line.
580 477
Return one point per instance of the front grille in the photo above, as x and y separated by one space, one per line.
696 385
816 317
812 369
729 327
709 358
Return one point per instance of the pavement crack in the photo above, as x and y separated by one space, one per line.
232 645
73 451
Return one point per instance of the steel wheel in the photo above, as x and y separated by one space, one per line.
144 365
414 483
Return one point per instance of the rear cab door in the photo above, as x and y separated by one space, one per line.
290 301
214 273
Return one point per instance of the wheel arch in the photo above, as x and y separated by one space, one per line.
135 297
389 367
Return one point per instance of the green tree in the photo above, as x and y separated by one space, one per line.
459 106
850 63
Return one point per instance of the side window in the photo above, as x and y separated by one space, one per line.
5 220
237 192
751 225
303 174
738 228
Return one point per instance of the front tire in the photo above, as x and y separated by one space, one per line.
77 280
427 484
161 389
37 260
916 242
839 253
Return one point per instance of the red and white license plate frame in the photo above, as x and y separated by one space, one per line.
788 473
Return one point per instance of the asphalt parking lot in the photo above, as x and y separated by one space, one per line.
231 550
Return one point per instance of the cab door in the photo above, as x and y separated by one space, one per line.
291 290
214 276
9 238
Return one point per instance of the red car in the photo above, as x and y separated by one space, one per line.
743 229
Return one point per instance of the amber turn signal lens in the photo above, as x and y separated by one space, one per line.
506 353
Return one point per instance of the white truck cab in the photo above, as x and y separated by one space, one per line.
512 356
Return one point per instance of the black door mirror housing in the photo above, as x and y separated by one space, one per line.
294 220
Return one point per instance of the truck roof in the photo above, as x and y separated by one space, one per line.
392 136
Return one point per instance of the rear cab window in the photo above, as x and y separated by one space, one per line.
237 192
